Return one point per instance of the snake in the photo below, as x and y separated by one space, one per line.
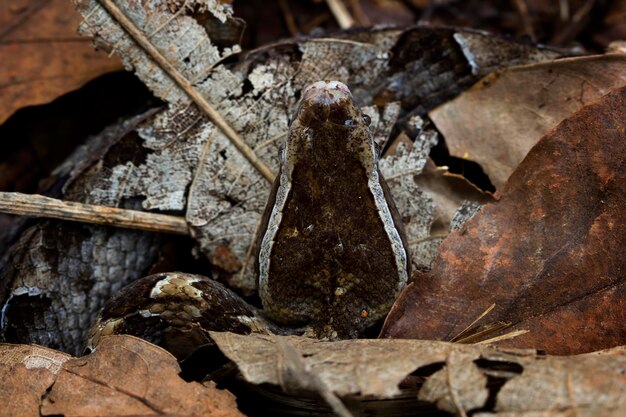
330 252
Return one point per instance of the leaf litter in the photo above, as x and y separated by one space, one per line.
546 253
257 97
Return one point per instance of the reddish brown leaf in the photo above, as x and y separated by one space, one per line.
497 121
26 372
42 55
550 253
128 376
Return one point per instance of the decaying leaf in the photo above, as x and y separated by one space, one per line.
456 378
127 376
549 253
26 372
42 57
194 58
499 119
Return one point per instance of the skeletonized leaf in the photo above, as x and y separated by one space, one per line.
161 22
456 378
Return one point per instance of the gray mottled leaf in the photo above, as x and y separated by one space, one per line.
193 54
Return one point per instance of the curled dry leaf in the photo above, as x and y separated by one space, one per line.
450 192
549 253
456 378
26 372
499 119
127 376
42 57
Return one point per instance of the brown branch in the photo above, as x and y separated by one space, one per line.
338 9
358 12
292 27
39 206
184 84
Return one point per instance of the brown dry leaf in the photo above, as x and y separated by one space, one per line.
549 254
497 121
456 378
127 376
42 56
26 372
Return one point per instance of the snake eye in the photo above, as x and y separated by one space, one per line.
367 120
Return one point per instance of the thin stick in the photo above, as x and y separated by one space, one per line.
483 331
338 9
357 10
289 20
484 313
506 336
183 83
39 206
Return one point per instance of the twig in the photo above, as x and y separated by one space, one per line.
184 84
289 20
522 10
39 206
505 336
476 334
338 9
469 326
576 24
316 21
358 12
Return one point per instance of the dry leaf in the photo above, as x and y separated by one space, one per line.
26 372
127 376
360 366
549 254
497 121
42 56
450 192
456 378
